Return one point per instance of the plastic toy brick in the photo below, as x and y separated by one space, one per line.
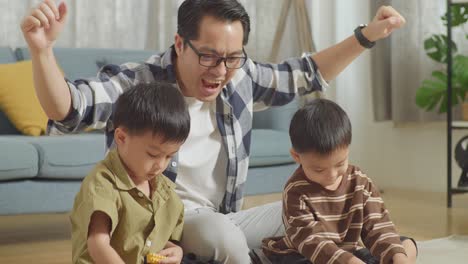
152 258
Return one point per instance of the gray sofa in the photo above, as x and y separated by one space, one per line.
42 174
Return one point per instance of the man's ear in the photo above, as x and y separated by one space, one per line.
295 155
178 44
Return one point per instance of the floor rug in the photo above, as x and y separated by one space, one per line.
447 250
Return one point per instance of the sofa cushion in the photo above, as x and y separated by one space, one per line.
70 156
18 100
36 196
85 62
271 179
6 127
18 159
6 55
277 118
269 147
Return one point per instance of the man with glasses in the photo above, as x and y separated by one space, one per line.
222 87
212 60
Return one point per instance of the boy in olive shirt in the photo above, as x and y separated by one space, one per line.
126 208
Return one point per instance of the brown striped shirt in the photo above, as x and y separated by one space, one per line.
325 226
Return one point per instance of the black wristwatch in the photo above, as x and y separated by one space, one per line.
366 43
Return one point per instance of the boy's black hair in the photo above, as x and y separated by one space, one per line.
321 126
158 107
191 13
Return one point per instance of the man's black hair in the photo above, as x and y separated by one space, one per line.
321 126
191 12
158 107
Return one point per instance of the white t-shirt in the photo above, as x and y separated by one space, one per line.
201 176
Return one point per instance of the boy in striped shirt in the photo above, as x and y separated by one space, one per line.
328 204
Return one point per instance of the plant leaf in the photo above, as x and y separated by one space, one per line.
460 71
436 47
430 94
433 92
459 14
440 76
458 96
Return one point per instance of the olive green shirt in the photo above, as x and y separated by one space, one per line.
139 225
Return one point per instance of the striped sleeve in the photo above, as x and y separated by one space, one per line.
378 233
305 233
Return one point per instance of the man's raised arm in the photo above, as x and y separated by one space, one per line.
41 28
336 58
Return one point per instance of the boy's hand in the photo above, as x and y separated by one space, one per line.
384 23
43 24
173 255
400 258
355 260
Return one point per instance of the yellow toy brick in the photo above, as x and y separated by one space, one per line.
152 258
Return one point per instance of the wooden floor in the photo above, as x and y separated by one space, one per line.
45 239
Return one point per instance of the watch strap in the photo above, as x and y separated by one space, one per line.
365 42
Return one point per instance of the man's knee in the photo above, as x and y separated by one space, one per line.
260 222
214 235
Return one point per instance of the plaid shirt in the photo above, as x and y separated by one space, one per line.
254 87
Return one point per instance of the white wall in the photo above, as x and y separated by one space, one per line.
412 156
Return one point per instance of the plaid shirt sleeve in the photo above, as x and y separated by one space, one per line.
278 84
93 99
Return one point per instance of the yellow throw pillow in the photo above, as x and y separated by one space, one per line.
18 98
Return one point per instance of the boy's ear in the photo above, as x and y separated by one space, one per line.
120 136
295 155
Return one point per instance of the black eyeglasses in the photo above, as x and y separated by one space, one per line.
212 60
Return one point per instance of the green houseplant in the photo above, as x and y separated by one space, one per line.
433 91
